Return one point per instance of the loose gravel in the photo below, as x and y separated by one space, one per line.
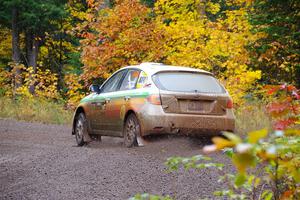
39 161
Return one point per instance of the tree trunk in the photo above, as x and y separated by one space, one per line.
32 49
297 77
60 64
16 54
28 47
201 6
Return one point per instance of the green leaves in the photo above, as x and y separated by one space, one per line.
194 162
147 196
240 179
280 24
267 195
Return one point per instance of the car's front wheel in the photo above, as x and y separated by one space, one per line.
80 129
131 131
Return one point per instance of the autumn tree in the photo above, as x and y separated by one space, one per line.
5 57
9 15
125 34
278 54
33 18
211 36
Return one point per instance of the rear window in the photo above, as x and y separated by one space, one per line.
187 82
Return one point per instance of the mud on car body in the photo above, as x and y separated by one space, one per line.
153 98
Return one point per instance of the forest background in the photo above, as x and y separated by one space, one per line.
52 50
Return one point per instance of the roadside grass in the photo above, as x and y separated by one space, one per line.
250 117
35 110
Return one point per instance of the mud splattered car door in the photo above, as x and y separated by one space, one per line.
116 109
103 103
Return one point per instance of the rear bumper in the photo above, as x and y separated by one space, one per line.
156 121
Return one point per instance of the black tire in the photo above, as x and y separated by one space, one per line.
80 129
131 131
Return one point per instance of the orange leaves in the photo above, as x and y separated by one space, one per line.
284 123
287 195
90 3
276 109
120 36
285 109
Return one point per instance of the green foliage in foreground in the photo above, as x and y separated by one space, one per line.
35 110
274 157
147 196
267 161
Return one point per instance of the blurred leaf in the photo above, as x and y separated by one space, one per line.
221 143
267 195
240 179
228 152
232 137
292 132
242 161
254 136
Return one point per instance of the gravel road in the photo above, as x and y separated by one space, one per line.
39 161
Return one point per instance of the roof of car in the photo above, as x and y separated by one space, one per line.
153 68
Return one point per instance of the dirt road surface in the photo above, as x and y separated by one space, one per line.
39 161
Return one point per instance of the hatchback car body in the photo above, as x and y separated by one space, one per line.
153 98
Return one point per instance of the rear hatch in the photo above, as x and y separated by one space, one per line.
191 93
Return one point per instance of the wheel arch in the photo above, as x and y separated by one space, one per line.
129 112
78 110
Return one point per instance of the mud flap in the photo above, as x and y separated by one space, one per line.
141 141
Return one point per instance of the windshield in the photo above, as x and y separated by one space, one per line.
187 82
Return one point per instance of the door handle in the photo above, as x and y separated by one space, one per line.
126 98
107 100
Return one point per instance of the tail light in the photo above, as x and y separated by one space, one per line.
229 104
154 99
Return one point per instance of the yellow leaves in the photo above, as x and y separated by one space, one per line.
45 83
254 136
232 137
213 8
239 80
220 45
221 143
74 94
242 161
5 43
292 132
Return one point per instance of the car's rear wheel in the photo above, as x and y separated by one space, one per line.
80 129
131 131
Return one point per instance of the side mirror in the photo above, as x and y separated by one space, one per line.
94 88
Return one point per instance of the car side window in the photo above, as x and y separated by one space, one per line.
142 81
130 80
112 84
